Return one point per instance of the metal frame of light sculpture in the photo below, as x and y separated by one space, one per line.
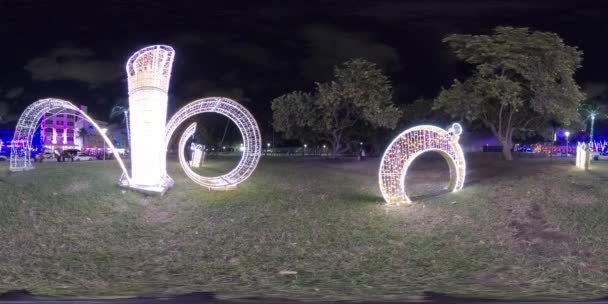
149 72
412 143
28 123
252 141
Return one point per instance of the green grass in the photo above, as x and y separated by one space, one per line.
530 229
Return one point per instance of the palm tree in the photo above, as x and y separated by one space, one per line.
119 110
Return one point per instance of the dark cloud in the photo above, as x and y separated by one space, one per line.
447 8
77 64
246 52
14 92
204 88
329 46
595 90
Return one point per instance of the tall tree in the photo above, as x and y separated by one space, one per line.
122 111
359 95
522 80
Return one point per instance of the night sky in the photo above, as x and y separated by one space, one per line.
253 51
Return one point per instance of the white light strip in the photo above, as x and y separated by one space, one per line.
408 146
28 123
248 127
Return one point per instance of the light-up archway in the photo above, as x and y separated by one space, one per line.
28 123
412 143
252 141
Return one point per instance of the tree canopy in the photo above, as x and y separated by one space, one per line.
360 95
522 80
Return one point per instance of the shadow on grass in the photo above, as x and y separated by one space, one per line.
429 195
362 197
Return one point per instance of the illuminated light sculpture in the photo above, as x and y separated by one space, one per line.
412 143
252 141
197 155
583 156
29 122
148 73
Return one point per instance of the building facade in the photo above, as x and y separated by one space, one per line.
59 131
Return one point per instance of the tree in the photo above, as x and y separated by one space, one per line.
122 111
358 96
522 80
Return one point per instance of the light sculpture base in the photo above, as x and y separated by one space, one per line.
408 146
149 190
29 122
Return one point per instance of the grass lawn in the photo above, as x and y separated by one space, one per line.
309 229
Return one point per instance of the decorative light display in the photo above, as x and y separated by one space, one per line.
148 72
29 122
412 143
583 156
197 155
252 141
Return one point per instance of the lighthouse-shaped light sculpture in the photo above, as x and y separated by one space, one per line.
149 72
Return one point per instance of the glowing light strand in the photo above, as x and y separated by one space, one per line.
20 158
410 144
252 140
583 156
149 72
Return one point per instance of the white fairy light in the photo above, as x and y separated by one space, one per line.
252 141
583 156
410 144
148 72
197 154
28 123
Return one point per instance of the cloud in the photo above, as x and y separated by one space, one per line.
244 52
204 88
595 90
77 64
329 47
14 92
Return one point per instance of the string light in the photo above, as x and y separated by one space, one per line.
197 154
29 122
148 73
583 156
252 140
410 144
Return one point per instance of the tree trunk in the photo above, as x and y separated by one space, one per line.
506 151
335 145
334 150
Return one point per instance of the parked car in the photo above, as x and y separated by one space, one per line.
48 156
82 156
599 155
3 157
